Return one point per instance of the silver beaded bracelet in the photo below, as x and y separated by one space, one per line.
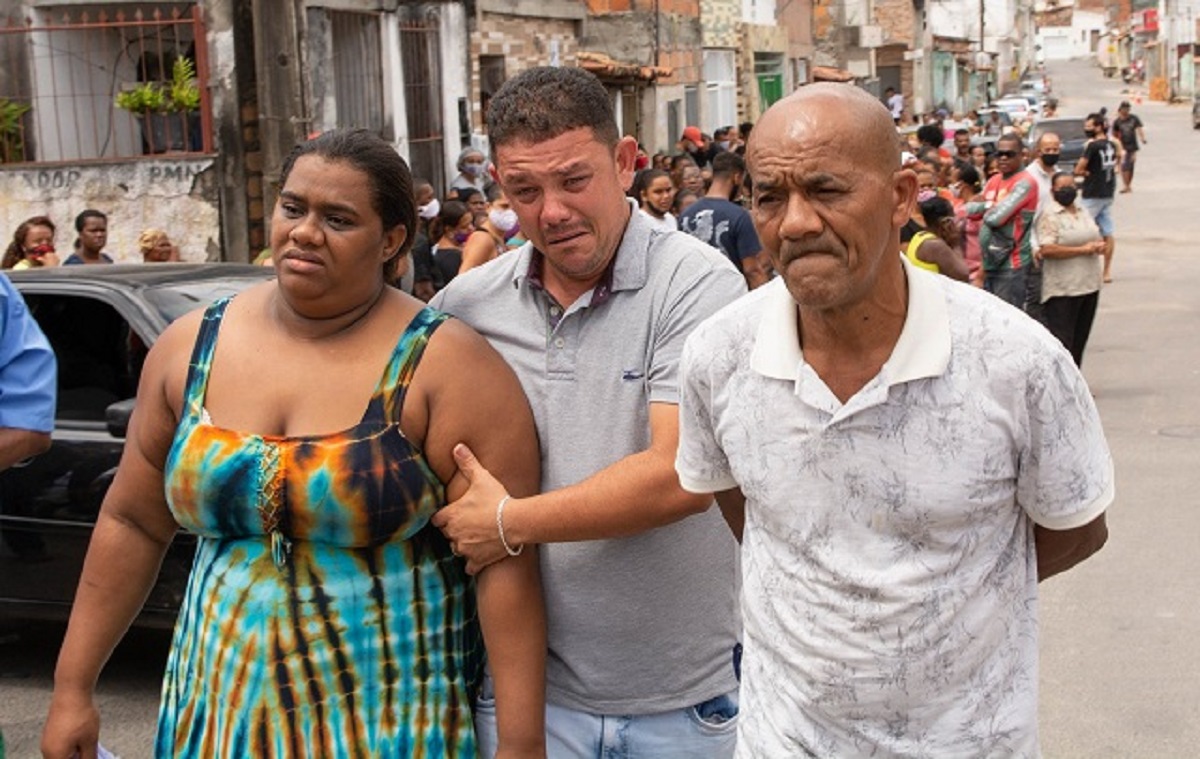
500 528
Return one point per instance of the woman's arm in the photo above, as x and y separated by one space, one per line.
474 397
1047 232
1055 250
948 260
132 533
479 248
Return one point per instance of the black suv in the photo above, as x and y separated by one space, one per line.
101 322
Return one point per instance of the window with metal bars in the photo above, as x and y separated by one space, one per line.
87 83
358 70
420 53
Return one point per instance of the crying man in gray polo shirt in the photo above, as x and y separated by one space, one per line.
640 577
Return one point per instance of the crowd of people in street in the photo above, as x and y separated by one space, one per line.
736 452
1036 234
700 189
33 245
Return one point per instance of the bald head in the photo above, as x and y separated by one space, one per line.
830 197
1048 140
832 112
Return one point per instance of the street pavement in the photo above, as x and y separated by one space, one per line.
1120 636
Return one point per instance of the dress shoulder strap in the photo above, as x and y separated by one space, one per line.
388 401
202 356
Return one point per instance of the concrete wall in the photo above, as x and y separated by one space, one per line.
1074 41
758 38
525 42
638 33
797 18
720 19
179 196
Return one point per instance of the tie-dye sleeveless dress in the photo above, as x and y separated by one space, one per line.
324 616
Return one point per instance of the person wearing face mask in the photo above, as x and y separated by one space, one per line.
472 170
453 227
1072 251
32 245
1046 151
422 269
655 195
490 239
1098 167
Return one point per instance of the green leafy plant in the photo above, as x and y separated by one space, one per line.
147 97
179 94
12 143
184 95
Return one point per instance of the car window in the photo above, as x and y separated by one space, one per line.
1066 129
1005 118
99 356
176 299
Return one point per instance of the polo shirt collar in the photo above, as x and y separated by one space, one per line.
628 269
923 349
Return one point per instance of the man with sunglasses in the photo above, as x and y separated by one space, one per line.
1010 202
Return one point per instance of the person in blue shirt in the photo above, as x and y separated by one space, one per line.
28 381
718 220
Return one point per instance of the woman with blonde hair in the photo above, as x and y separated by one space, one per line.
156 246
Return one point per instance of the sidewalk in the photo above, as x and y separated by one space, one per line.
1120 673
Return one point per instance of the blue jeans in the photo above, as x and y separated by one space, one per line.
707 730
1100 209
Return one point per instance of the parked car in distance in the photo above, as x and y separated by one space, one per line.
1070 130
1037 85
101 322
1035 103
1016 106
988 141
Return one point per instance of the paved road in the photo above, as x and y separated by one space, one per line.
1121 634
127 696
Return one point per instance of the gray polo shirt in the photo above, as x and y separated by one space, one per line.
648 623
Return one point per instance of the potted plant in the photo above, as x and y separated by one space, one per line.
12 134
167 111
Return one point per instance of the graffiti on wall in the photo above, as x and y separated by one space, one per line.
179 196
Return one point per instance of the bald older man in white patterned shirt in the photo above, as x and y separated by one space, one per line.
904 457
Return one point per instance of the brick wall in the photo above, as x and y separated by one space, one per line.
524 42
681 7
256 212
898 20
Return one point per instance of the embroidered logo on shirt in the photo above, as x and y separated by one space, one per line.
631 375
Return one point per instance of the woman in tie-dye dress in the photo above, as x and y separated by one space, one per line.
303 430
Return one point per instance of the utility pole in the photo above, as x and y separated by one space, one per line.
983 56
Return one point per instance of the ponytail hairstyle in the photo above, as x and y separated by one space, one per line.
447 219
